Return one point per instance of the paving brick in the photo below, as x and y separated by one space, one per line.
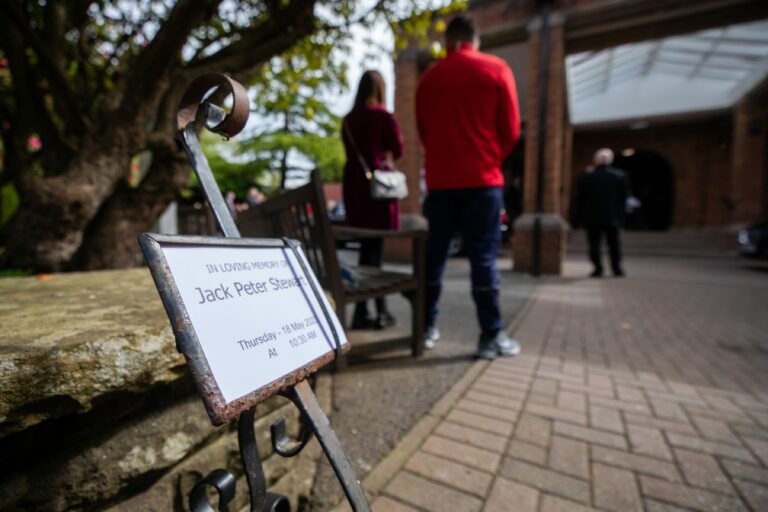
555 374
733 417
533 429
667 425
634 462
759 447
545 400
588 390
605 418
503 428
473 436
570 401
544 387
715 430
486 389
760 417
702 470
632 382
599 381
545 480
680 399
555 504
507 495
668 410
648 441
385 504
528 452
463 453
575 369
755 495
490 411
682 388
555 413
697 499
721 403
634 407
590 435
750 431
710 447
744 471
502 384
430 496
630 394
657 506
496 401
615 489
569 456
450 473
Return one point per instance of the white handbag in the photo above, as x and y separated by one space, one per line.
386 184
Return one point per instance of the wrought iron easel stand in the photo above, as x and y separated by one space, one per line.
313 419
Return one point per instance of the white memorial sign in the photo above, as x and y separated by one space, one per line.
254 313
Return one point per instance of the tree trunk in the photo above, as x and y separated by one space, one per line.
82 214
47 229
111 239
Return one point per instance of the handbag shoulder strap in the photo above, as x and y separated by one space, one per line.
363 164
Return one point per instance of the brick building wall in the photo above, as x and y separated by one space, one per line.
698 152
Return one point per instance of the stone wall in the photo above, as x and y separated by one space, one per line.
97 411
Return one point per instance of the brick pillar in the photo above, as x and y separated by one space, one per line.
554 229
407 75
749 162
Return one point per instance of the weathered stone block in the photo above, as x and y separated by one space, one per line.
76 337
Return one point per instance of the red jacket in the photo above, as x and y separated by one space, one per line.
468 118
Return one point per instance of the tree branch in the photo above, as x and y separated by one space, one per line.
258 43
71 103
154 65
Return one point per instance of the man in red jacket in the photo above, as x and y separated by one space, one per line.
469 120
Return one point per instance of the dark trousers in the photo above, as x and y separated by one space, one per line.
476 214
371 255
594 237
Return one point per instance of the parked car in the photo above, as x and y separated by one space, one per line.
753 241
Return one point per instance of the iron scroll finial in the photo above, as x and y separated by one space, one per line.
227 125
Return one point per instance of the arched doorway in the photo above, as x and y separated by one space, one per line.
653 184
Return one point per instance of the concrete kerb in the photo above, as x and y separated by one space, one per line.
388 467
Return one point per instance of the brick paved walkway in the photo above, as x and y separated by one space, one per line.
643 394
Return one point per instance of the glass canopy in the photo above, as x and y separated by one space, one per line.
703 71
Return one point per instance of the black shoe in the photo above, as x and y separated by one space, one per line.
360 322
617 272
596 273
385 320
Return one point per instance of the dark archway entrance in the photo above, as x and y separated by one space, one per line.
653 184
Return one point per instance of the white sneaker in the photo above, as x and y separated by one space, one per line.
431 335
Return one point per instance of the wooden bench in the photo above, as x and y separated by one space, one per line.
301 214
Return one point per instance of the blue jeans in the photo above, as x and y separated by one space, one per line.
476 214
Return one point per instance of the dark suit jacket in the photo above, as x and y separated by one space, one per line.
601 197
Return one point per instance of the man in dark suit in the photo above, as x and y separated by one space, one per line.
601 198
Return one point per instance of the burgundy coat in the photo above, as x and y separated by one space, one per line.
374 131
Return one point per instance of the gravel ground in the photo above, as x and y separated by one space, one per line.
377 401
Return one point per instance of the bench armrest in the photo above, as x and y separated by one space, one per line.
378 233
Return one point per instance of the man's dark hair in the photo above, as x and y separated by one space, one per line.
460 29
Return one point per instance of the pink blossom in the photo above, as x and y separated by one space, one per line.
33 143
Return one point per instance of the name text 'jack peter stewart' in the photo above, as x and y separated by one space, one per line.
223 292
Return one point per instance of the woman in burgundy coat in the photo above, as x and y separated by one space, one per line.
370 133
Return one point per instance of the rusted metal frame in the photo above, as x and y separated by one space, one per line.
300 393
